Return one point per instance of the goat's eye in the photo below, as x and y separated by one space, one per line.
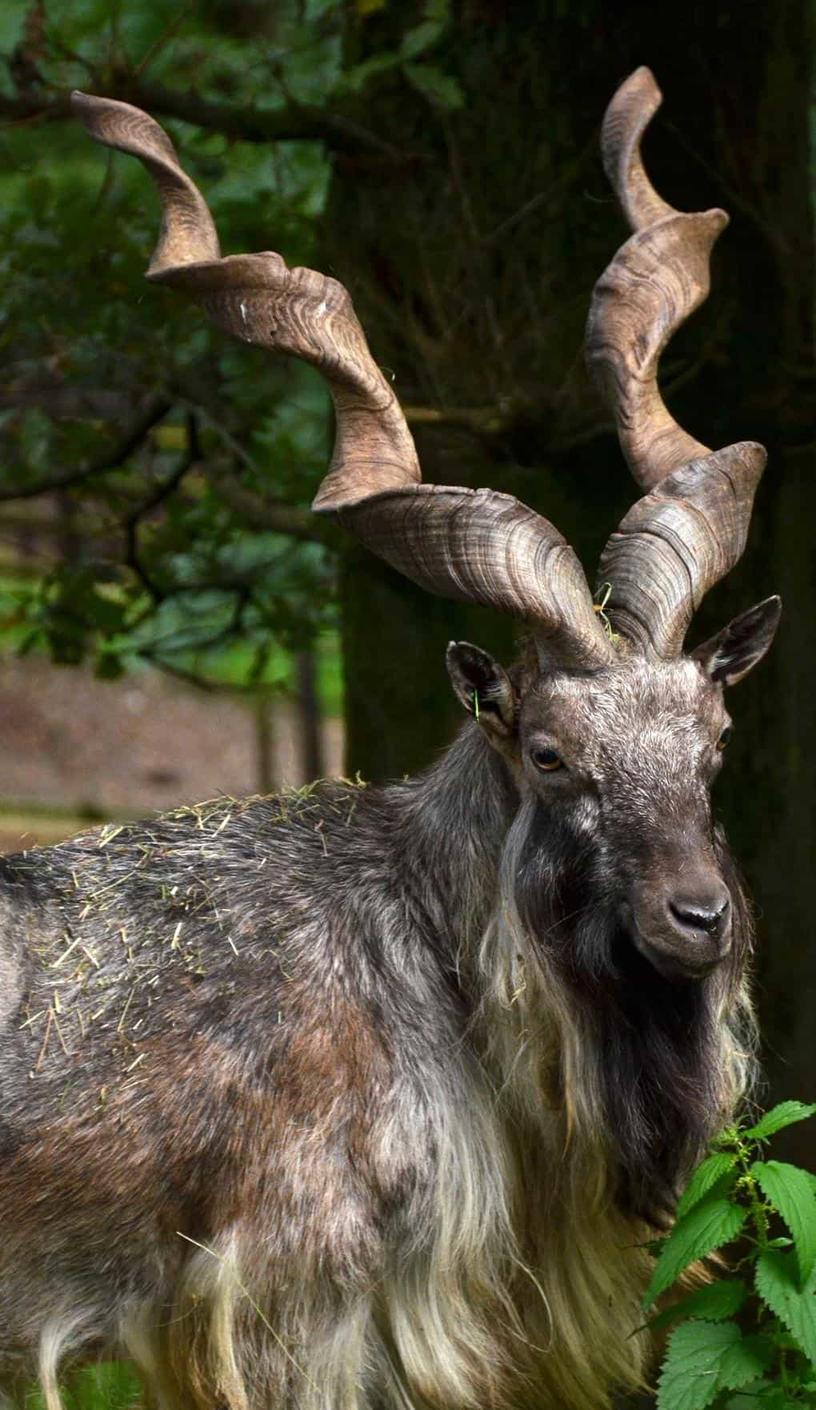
725 736
546 759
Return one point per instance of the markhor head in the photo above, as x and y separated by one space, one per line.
614 767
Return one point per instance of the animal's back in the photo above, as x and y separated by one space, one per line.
195 1048
201 922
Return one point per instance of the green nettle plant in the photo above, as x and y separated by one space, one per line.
748 1337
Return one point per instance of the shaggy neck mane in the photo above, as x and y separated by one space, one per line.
581 1033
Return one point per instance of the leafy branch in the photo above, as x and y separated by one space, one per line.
112 458
238 122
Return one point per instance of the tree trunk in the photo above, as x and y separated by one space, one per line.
264 741
310 744
399 709
471 258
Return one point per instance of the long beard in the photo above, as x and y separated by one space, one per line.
668 1060
660 1071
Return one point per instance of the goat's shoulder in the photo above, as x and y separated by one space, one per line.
267 935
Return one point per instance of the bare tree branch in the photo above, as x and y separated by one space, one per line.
241 122
270 514
481 420
62 402
292 123
110 459
257 509
191 458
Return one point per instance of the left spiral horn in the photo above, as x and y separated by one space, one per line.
471 545
188 234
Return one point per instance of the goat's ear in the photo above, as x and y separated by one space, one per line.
734 651
483 686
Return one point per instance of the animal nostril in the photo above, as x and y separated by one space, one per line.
709 916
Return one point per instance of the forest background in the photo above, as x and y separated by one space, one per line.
442 161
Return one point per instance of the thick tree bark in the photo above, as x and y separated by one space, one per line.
265 742
310 740
472 265
399 709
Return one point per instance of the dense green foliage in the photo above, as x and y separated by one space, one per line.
766 1360
175 469
169 448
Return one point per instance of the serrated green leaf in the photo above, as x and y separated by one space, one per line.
707 1174
791 1193
710 1224
745 1361
689 1379
785 1114
777 1285
713 1303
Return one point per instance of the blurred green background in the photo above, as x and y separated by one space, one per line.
441 159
